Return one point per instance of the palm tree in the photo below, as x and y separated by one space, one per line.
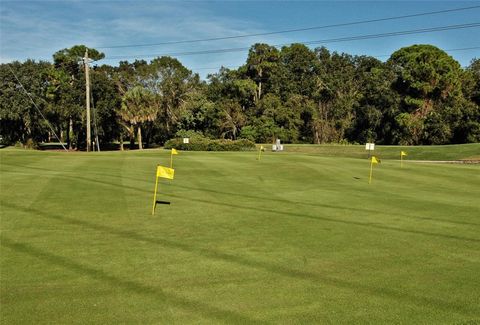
232 118
138 106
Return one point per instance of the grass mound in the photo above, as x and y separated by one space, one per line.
469 151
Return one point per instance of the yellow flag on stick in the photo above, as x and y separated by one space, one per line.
172 152
402 153
373 160
163 172
260 152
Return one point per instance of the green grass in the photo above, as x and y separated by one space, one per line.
294 238
447 152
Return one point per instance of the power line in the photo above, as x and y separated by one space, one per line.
374 56
408 32
35 105
324 41
293 30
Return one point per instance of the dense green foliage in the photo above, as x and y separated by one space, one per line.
420 95
291 239
201 143
19 118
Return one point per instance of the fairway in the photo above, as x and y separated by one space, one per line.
292 238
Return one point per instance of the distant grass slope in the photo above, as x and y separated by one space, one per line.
293 238
447 152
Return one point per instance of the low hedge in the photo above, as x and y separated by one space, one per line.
205 144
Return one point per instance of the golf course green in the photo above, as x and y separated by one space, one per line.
295 238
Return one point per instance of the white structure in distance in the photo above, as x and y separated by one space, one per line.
277 146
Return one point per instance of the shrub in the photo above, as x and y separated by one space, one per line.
249 132
188 134
205 144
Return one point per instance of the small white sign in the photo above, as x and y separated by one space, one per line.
186 140
370 146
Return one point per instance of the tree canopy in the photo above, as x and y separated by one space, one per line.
420 95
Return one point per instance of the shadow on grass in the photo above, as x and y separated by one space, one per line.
289 214
261 265
129 285
323 205
259 198
348 222
90 180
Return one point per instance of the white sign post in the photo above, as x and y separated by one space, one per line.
369 147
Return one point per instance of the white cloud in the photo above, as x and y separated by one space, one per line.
38 29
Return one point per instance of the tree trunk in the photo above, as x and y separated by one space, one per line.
147 134
317 137
121 142
147 140
131 133
69 134
259 90
132 142
260 75
139 137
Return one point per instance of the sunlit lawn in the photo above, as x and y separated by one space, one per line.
292 238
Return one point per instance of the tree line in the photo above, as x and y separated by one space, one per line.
420 95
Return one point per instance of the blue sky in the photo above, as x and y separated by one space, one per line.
37 29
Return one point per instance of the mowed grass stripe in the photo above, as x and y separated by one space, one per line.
244 241
287 200
23 181
241 207
84 268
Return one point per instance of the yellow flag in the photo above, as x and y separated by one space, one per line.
174 151
403 153
262 148
165 172
375 160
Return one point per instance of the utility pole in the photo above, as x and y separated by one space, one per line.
87 81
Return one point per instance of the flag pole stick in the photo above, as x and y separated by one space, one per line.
171 159
401 160
371 170
155 195
259 153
